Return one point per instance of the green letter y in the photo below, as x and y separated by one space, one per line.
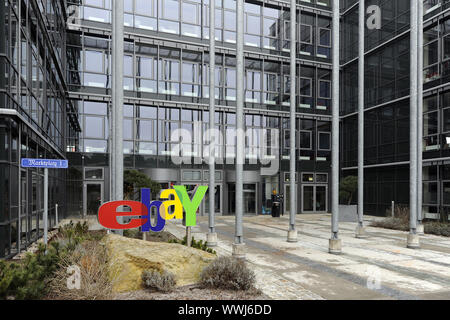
190 207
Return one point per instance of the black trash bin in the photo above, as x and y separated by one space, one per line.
276 206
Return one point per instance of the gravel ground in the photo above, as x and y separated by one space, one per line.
192 293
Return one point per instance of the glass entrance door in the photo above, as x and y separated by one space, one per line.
308 199
249 198
93 197
314 198
217 201
321 198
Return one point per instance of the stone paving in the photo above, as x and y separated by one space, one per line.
380 267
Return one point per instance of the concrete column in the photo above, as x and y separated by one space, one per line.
238 246
212 235
420 227
118 47
335 245
292 232
413 237
360 230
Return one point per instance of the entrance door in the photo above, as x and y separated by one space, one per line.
250 199
314 198
321 198
217 201
93 197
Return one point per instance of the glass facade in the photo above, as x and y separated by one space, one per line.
36 118
55 75
166 87
386 125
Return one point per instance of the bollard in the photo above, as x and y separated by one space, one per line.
56 215
188 236
393 209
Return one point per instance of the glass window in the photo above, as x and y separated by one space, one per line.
306 140
190 12
148 112
192 175
93 61
305 87
93 173
324 141
94 127
324 89
98 108
170 9
146 130
308 177
145 7
128 65
325 37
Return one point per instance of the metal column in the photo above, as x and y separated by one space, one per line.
420 118
212 236
292 232
118 49
112 131
45 216
240 148
413 239
360 232
335 246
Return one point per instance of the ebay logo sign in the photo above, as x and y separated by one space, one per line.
110 211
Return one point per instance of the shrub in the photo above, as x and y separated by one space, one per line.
194 244
73 234
438 228
228 273
28 280
162 281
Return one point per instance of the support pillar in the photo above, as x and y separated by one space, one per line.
292 232
117 97
420 227
335 245
211 237
360 230
238 247
413 237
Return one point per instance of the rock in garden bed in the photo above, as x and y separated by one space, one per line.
130 257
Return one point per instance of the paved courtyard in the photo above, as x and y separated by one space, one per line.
380 267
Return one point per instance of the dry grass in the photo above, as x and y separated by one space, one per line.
92 259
